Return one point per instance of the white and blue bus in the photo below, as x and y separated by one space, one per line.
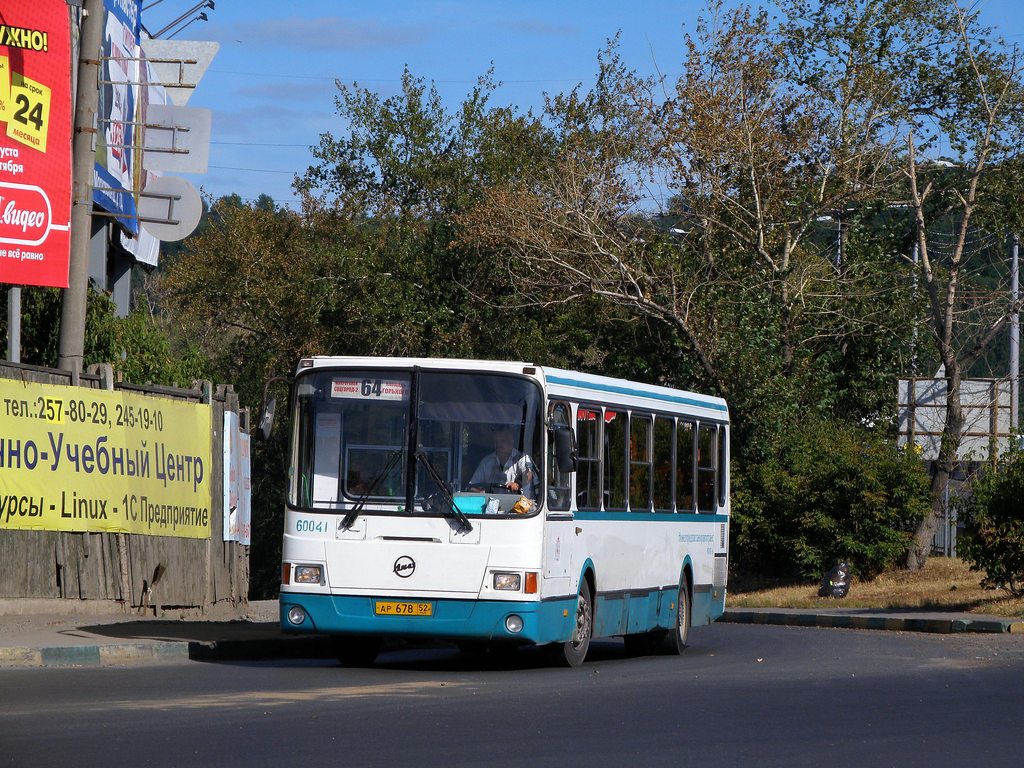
501 503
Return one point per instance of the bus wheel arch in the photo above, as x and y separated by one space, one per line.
573 651
591 580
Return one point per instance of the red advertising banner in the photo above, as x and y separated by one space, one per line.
35 142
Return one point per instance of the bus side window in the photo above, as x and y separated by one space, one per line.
326 458
639 463
615 445
684 466
559 488
663 439
707 467
588 471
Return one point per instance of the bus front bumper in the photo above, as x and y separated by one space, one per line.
541 622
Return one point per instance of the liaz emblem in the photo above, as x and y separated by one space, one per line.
404 567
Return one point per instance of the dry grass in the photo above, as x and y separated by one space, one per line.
945 584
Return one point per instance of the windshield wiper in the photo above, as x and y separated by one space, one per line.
350 518
458 514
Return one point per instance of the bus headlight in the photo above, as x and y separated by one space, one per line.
296 615
308 574
514 624
508 581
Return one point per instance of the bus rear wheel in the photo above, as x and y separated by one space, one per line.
679 635
573 652
357 650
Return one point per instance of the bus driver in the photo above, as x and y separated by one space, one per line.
505 467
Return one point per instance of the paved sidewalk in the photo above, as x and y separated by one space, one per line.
114 639
45 639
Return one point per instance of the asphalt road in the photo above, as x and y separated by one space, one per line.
740 696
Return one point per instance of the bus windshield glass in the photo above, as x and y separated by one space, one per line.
472 434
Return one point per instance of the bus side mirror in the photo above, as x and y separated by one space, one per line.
267 414
565 448
267 418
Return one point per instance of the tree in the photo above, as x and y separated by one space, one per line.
138 346
738 265
837 113
978 115
743 230
371 265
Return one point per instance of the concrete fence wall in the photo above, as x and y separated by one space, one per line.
121 568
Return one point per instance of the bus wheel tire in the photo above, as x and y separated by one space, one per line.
573 652
679 635
357 650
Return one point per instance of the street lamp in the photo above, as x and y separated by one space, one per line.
200 17
205 4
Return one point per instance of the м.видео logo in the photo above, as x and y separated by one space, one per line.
25 214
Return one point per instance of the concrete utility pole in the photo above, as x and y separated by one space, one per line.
72 315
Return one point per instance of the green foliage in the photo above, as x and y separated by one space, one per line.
40 324
150 356
830 492
374 265
478 231
994 517
137 346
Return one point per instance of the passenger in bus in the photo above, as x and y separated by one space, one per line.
506 467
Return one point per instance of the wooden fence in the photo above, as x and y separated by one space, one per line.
130 570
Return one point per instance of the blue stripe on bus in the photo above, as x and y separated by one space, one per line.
543 622
638 393
660 517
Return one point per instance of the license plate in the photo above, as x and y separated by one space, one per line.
394 608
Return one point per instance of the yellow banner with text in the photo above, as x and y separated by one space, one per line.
76 459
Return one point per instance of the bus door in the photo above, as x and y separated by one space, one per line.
559 531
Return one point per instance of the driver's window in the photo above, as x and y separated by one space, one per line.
559 491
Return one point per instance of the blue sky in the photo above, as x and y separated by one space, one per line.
271 86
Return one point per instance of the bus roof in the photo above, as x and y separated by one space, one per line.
560 382
631 393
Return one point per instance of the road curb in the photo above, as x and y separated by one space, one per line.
93 655
887 623
167 652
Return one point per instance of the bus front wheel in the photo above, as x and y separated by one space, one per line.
573 652
679 635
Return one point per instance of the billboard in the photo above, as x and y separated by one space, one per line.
986 407
35 142
141 244
76 459
114 183
237 482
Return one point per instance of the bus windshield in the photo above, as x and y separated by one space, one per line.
476 433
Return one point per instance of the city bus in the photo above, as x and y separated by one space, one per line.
501 504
